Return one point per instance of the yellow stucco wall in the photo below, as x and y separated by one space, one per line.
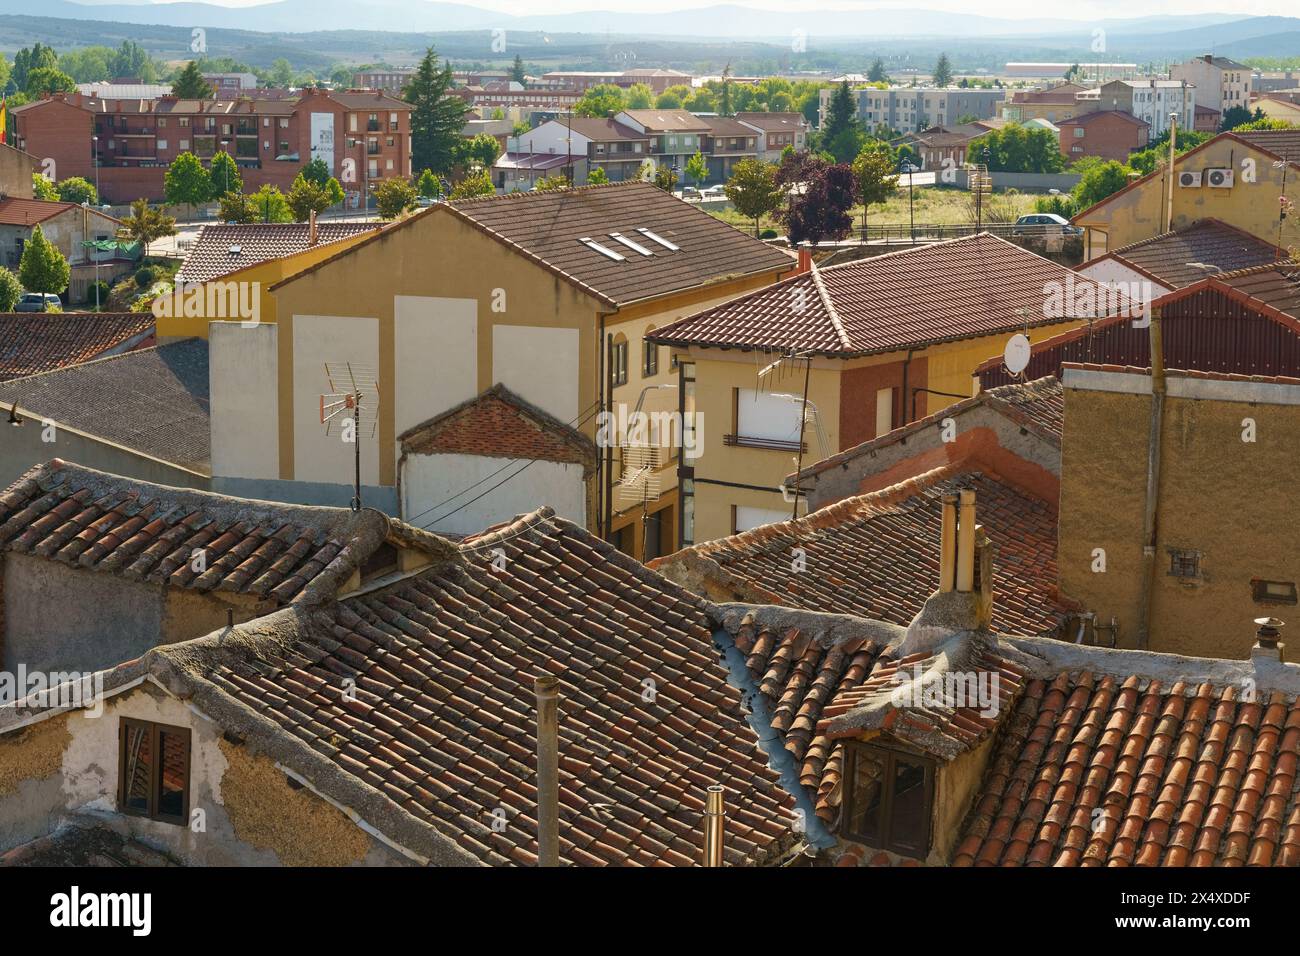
1252 206
1221 496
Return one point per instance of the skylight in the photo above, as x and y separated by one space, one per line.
593 244
659 239
236 250
634 246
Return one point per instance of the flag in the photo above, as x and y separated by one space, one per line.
4 121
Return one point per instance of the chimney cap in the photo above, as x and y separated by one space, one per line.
1268 630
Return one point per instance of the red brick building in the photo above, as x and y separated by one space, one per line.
1110 134
362 137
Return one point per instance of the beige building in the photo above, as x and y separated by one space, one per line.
1221 83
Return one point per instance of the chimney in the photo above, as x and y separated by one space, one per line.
714 820
311 228
805 260
547 689
966 542
948 544
1268 630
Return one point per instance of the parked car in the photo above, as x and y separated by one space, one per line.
38 302
714 192
1044 224
690 192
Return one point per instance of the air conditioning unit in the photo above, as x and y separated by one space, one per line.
1218 178
1189 179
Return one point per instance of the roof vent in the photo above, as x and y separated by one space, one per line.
593 244
634 246
236 250
659 239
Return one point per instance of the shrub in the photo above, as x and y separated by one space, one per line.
145 277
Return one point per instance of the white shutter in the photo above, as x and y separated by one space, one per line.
763 415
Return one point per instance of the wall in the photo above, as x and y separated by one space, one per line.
245 413
429 480
1110 272
1027 182
1219 495
250 816
16 169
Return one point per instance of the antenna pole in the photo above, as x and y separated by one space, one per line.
803 422
356 449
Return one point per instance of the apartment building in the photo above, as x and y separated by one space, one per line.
512 96
126 145
1150 100
909 108
604 143
657 80
1053 103
231 84
1221 83
727 142
1109 134
776 131
675 135
390 80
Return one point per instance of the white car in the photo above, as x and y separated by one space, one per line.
714 192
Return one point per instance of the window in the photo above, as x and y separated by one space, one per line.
884 411
650 359
764 420
1184 563
284 122
153 771
1078 132
1273 592
618 361
888 799
185 121
162 144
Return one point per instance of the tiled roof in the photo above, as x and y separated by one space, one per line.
436 743
876 555
1087 119
211 254
1100 770
599 128
668 121
1061 93
963 288
28 212
774 122
500 424
1176 258
152 400
32 342
1281 142
726 126
146 532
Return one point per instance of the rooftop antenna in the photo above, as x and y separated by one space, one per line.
352 401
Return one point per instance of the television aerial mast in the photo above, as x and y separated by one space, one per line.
352 402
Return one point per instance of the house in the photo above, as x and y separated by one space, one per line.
229 267
675 135
1283 105
1054 104
548 294
520 172
1149 100
1207 120
872 344
941 147
34 342
1107 134
603 143
72 229
16 171
657 79
1234 177
1221 82
142 413
727 142
776 131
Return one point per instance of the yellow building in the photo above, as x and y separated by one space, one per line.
229 268
1284 106
874 344
1234 177
547 294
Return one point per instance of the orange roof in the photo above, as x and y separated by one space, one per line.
30 212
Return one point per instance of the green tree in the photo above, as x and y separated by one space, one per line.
88 64
1018 149
48 80
603 99
665 178
428 186
517 71
11 290
306 197
724 94
841 114
697 167
549 183
477 183
26 60
186 182
43 267
146 224
317 172
281 76
238 208
703 100
639 97
943 71
130 59
79 190
190 84
1099 181
598 177
877 72
483 149
1238 116
1264 122
270 205
673 97
224 175
753 190
875 170
437 116
394 197
42 188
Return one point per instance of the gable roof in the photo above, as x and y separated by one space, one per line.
147 532
33 342
876 555
959 289
1176 259
546 228
1096 116
668 121
499 424
212 255
774 122
597 128
152 400
31 212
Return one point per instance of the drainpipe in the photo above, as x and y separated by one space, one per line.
714 820
902 399
1173 139
547 689
1153 480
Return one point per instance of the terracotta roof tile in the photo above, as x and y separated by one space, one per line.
32 342
1188 255
211 257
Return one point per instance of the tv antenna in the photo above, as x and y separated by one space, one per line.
352 402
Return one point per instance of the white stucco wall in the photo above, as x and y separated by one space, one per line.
436 356
318 339
1109 271
432 479
244 377
539 364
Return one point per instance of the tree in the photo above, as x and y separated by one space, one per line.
307 196
697 167
270 205
225 176
1264 122
603 99
186 182
281 76
482 149
724 95
673 97
43 267
130 59
238 208
665 178
145 224
598 177
818 207
477 183
639 97
943 71
78 190
841 115
42 188
753 190
437 116
549 183
190 84
1099 181
877 179
428 186
11 290
1018 149
877 72
48 80
26 60
517 71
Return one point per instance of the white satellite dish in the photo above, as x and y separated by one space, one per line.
1016 356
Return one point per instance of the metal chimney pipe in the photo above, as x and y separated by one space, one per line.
948 543
547 689
966 542
714 820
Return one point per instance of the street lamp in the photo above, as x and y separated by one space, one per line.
85 231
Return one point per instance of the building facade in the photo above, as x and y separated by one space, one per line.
1221 83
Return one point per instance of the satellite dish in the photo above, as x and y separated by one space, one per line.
1016 356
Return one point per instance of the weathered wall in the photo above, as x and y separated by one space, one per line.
16 169
30 783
